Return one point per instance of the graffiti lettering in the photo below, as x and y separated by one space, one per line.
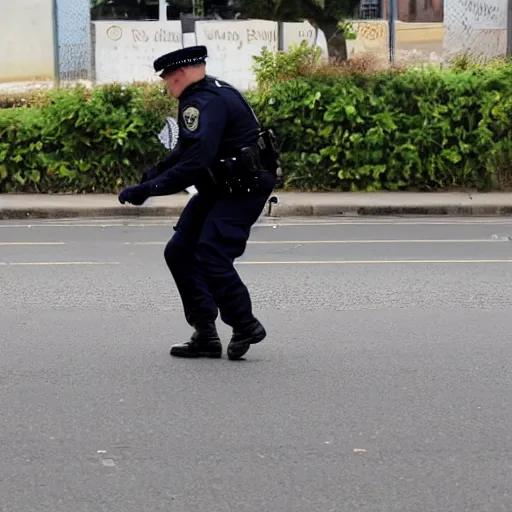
166 36
139 36
160 36
370 31
217 35
481 9
269 36
306 34
225 35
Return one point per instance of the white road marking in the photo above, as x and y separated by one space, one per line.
379 241
388 222
14 244
48 263
270 223
144 243
365 262
294 262
301 242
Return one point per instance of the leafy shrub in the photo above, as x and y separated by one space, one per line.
83 140
393 129
466 60
22 158
273 67
302 60
340 127
32 98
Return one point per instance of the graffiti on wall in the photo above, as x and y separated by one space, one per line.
475 26
232 46
125 50
370 31
371 37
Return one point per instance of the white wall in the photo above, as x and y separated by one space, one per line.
26 40
476 26
232 45
125 51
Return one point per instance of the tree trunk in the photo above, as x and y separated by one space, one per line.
336 43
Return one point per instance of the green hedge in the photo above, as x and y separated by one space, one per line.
338 130
80 140
416 130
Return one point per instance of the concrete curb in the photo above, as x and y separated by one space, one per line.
276 211
70 212
384 210
19 206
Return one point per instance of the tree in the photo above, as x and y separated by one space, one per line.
120 9
140 9
326 18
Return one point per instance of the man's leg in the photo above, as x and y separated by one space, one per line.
198 303
222 240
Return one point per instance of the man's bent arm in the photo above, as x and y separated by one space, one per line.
199 148
170 159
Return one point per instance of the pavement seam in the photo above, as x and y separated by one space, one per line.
279 210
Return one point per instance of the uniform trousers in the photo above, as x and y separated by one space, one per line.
210 234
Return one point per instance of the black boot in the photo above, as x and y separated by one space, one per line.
244 337
203 343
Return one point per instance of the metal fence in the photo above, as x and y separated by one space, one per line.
72 40
369 10
74 37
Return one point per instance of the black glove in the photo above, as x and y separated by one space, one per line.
136 194
150 173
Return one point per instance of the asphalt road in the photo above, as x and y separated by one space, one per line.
385 382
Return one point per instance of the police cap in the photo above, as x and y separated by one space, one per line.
180 58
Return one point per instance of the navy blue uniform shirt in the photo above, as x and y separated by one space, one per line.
215 122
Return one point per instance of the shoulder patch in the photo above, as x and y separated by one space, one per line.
191 118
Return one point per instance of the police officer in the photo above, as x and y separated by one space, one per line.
224 153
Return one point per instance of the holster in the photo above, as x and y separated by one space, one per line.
239 175
269 155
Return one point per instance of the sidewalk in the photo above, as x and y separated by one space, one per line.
290 204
